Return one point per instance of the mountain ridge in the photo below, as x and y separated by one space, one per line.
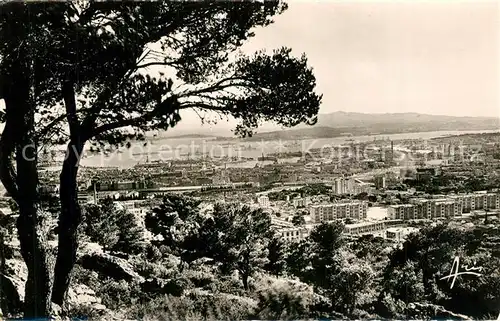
357 122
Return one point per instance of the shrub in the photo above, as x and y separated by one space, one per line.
152 270
283 299
116 295
113 228
198 305
86 277
84 312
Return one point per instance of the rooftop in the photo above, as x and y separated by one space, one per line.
361 224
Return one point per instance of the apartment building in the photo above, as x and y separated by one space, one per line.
425 209
426 173
447 209
343 186
444 207
492 201
329 212
402 212
478 201
467 200
263 201
380 182
138 208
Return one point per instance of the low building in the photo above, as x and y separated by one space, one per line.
138 208
293 234
48 189
364 228
399 234
86 199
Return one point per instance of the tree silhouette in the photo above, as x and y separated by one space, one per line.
114 228
101 68
298 220
242 239
275 256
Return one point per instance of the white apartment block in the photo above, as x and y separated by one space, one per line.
263 201
343 186
402 212
478 201
329 212
425 209
448 207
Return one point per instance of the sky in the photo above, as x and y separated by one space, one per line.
433 57
430 57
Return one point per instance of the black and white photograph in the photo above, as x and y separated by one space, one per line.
250 160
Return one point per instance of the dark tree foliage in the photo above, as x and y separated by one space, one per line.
114 228
276 256
320 260
242 238
172 220
298 220
415 271
234 236
313 259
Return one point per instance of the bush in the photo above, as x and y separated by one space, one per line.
86 277
174 287
153 253
84 312
116 295
113 228
283 299
197 305
152 270
199 278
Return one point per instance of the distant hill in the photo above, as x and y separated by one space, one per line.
342 123
345 124
348 119
182 136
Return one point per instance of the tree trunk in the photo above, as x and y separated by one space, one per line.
245 281
69 220
37 292
32 236
22 183
3 298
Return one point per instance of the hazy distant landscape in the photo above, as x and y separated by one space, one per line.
341 123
